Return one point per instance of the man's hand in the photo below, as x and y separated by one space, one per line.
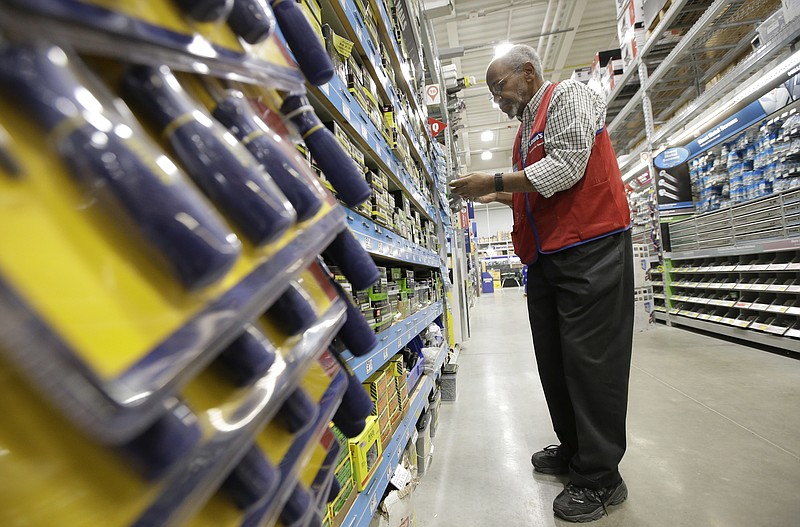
473 185
487 198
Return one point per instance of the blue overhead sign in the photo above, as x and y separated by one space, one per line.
752 113
671 157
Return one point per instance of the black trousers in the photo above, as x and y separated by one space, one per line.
580 304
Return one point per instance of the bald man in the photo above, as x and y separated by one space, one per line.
572 229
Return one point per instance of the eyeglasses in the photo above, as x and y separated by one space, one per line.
497 87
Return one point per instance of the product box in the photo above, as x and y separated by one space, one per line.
314 8
631 14
396 368
402 391
365 451
341 505
377 386
601 60
383 422
395 420
344 472
394 403
315 24
582 74
344 453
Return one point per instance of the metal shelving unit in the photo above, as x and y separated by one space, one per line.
696 56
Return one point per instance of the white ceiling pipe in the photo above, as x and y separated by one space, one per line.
545 23
553 26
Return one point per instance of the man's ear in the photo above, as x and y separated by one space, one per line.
530 73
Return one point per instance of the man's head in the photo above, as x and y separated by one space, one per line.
514 78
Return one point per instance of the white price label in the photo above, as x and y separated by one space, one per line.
325 89
364 131
367 243
373 504
369 366
386 354
346 112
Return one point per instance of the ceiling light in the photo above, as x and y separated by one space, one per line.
486 155
636 170
487 135
501 49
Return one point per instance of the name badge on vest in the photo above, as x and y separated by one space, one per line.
535 138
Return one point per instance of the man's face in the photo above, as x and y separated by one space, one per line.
508 88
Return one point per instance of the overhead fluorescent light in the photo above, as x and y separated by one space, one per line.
486 155
487 135
637 168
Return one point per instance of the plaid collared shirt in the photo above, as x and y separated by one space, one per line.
575 115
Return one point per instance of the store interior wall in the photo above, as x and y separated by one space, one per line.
493 218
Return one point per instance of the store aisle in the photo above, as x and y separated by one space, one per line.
713 433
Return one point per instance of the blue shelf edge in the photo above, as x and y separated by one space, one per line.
392 340
351 112
380 241
357 24
363 509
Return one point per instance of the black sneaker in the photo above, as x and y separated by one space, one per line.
579 504
550 461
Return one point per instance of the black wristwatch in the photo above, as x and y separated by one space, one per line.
498 182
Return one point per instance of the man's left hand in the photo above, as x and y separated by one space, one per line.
473 185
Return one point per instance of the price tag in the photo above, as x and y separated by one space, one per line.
346 112
325 89
369 366
373 504
364 131
367 243
386 354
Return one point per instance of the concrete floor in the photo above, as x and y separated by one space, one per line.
713 433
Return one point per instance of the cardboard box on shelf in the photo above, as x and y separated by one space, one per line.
341 505
582 74
365 452
601 60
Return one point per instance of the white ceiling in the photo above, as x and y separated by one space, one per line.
580 28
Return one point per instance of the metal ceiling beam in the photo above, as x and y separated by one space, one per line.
569 38
553 26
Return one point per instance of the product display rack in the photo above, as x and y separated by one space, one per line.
749 291
695 39
283 262
393 340
696 63
367 501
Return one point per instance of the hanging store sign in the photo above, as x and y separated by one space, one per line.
752 113
673 186
436 126
463 218
767 104
433 94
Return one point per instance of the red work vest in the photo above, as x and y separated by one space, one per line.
596 206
